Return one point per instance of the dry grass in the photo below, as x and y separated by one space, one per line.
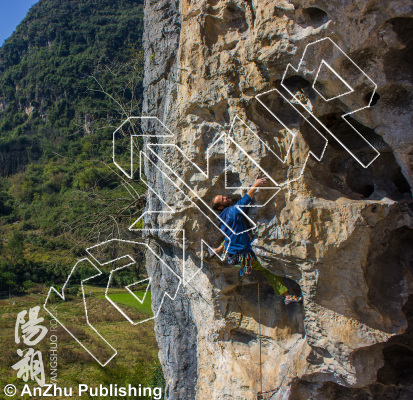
136 345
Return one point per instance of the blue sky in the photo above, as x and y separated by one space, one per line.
12 13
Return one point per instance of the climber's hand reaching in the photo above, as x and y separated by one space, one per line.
218 250
260 182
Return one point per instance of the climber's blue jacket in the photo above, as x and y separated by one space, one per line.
233 218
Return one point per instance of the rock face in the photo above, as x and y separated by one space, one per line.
340 233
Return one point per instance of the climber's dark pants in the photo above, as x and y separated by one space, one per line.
275 281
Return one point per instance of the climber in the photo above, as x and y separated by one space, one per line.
237 246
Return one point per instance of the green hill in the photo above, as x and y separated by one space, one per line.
58 189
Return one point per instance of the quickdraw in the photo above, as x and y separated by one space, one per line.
244 263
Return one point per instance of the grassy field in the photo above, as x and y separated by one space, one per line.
127 300
136 361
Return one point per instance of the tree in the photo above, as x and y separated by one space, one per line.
15 248
10 280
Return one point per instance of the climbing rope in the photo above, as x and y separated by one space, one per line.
261 394
244 262
259 325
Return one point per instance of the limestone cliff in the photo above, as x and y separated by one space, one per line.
342 232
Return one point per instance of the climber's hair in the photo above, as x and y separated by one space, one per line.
215 204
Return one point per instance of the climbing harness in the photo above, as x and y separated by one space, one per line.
241 261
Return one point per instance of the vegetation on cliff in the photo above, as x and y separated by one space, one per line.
58 190
69 75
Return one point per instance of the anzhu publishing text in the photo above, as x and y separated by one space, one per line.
93 391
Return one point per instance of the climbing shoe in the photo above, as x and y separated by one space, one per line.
292 299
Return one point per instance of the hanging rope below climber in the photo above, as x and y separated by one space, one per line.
237 251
